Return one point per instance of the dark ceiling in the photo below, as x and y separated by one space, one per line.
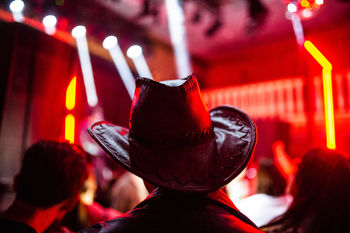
214 28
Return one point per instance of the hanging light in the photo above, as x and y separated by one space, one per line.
110 43
50 22
292 8
16 7
135 53
78 31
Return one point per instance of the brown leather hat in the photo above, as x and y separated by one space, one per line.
173 140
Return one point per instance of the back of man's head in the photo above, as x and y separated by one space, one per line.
51 172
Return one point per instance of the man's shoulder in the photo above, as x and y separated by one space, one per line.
192 221
130 225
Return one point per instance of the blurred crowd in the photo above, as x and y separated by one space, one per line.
316 200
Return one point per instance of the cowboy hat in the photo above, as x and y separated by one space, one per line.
174 142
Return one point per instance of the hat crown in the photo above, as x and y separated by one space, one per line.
169 113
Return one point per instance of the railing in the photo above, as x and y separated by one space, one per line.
282 99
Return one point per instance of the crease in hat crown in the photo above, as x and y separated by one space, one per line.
170 113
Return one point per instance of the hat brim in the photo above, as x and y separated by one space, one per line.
196 168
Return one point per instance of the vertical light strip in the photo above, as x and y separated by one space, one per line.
328 106
272 99
299 97
178 37
220 98
69 125
79 33
327 92
244 99
340 93
252 99
288 87
318 95
258 100
347 79
280 103
70 94
234 97
69 128
228 97
264 100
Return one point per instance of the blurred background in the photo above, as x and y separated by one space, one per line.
61 73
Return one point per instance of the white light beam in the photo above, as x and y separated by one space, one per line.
16 8
178 37
111 44
79 33
135 53
298 29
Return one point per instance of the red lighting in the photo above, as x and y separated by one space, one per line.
303 8
284 163
305 3
69 126
327 91
70 94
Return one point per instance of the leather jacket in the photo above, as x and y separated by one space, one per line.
170 211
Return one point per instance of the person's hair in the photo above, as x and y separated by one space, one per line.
269 179
321 195
51 172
